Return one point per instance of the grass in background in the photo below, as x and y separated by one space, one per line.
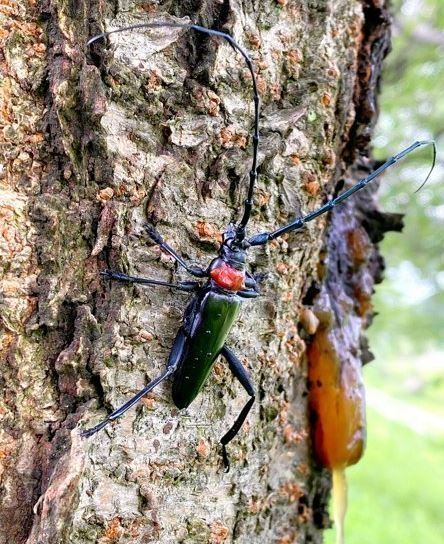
396 492
416 380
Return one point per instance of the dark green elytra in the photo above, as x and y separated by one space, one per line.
209 330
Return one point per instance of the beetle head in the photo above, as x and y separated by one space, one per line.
230 251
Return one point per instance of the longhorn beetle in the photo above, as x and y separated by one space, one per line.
209 316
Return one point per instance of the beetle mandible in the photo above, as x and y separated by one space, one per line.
210 315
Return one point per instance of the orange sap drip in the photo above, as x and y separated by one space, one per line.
337 406
337 403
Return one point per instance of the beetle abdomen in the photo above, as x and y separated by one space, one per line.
208 332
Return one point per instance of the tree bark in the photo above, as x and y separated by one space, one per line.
156 126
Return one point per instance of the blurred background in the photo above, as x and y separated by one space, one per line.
396 493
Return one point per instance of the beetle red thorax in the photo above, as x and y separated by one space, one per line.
228 277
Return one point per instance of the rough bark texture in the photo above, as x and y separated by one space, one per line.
157 127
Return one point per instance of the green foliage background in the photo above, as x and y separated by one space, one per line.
411 301
396 491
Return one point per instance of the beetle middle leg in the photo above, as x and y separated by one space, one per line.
174 359
248 293
242 375
187 286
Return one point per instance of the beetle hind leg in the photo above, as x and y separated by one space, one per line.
242 375
176 355
86 433
129 404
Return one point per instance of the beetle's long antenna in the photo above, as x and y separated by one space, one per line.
264 237
240 229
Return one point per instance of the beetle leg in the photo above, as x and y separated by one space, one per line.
119 276
174 360
250 281
254 281
177 352
242 375
196 271
248 293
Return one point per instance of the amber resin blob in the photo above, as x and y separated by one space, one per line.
336 400
337 404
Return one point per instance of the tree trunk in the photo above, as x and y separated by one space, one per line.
156 126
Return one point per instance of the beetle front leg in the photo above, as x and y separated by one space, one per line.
176 355
196 271
242 375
